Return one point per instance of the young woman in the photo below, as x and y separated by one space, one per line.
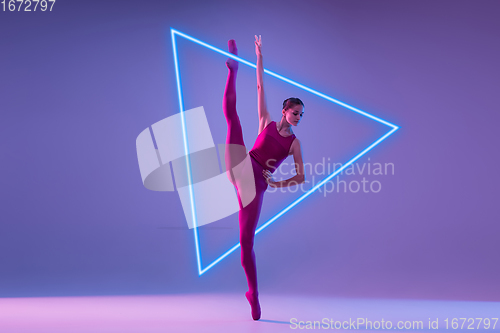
274 143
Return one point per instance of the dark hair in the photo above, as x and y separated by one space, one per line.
289 102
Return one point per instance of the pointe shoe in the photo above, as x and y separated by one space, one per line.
254 303
231 63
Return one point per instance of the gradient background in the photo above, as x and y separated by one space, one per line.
79 84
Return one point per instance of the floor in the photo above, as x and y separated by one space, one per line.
231 313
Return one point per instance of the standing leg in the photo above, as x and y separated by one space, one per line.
249 217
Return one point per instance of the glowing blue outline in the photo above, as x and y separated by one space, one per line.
302 197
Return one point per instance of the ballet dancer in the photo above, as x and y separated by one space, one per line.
274 143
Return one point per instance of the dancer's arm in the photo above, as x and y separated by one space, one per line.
264 116
299 178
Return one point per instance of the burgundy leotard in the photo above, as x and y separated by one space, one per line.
271 148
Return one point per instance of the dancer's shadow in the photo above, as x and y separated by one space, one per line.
275 321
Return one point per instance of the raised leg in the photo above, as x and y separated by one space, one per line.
235 151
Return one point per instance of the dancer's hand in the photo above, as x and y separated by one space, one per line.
269 177
258 46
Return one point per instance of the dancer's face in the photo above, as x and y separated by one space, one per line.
294 114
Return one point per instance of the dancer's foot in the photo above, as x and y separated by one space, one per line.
254 303
231 63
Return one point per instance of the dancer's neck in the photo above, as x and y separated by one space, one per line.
284 126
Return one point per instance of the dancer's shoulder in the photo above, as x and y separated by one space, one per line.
295 146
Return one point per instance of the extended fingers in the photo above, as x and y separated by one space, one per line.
267 176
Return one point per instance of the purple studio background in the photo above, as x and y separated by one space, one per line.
78 85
